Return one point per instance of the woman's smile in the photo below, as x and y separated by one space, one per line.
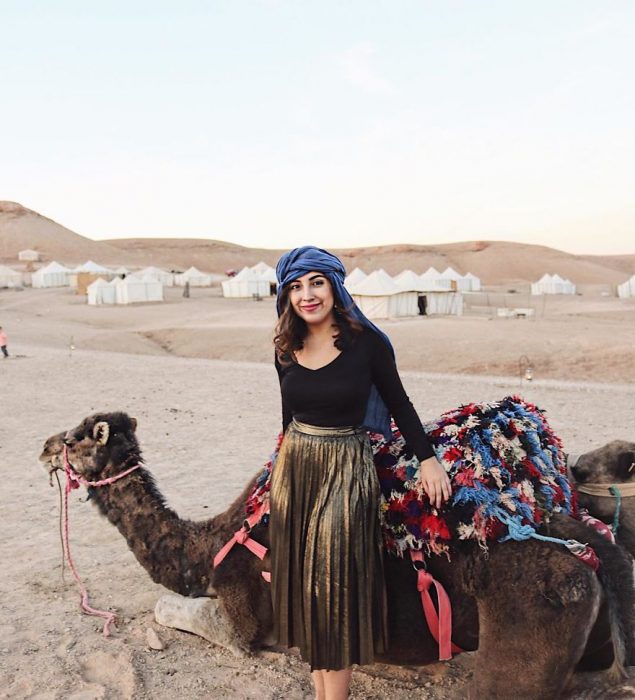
311 297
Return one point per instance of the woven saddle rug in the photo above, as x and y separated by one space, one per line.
507 470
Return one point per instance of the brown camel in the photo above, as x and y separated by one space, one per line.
534 611
594 472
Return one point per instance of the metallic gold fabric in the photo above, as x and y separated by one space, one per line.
327 569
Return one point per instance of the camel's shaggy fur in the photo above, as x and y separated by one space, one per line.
613 463
533 610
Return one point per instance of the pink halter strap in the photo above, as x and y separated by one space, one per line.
73 481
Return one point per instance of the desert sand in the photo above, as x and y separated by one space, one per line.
198 376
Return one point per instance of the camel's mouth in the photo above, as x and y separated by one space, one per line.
51 463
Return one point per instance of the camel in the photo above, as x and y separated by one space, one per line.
594 472
533 610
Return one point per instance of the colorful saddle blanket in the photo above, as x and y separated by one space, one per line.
507 470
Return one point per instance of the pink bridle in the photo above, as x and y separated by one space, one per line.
73 481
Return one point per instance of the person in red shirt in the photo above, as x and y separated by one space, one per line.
3 343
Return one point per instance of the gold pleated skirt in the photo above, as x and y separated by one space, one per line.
328 590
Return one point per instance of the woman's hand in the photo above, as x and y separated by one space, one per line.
434 480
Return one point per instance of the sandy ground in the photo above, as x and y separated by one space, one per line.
189 410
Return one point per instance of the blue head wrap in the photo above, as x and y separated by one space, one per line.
298 262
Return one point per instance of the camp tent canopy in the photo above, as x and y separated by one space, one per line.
379 296
166 278
444 303
356 276
134 289
474 282
246 283
195 277
101 292
51 275
433 281
266 273
552 284
626 289
9 277
131 290
409 281
93 268
29 255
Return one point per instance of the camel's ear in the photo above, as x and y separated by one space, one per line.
101 432
626 465
133 424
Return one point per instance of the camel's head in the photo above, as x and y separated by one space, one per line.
612 464
100 440
51 456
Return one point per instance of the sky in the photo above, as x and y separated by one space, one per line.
276 123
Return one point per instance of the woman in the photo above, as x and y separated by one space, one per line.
338 380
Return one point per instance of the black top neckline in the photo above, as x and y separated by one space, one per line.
317 369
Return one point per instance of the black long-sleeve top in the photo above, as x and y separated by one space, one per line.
337 393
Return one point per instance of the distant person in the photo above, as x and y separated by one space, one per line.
3 343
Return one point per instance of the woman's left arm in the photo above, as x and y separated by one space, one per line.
433 479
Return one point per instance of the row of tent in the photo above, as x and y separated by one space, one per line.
552 284
379 295
56 275
260 280
429 281
127 290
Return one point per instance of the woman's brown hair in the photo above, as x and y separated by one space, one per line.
291 330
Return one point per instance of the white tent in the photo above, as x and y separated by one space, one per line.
90 267
444 303
474 282
626 289
543 286
433 281
409 281
378 296
267 274
262 268
134 289
195 277
458 281
166 278
356 276
564 286
101 292
9 277
93 267
246 283
121 270
552 284
29 255
52 275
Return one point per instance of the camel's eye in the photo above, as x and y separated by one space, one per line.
69 441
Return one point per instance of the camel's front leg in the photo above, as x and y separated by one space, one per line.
201 616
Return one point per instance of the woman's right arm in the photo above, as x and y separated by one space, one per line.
286 410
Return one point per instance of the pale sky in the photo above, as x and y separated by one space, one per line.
277 123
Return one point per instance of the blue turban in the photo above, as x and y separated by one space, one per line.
308 258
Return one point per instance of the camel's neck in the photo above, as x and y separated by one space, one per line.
176 553
626 530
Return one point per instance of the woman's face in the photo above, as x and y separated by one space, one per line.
311 297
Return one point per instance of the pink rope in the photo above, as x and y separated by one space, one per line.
73 480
